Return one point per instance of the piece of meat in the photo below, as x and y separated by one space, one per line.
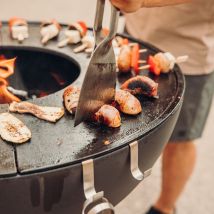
71 98
141 85
13 130
124 59
127 103
51 114
108 115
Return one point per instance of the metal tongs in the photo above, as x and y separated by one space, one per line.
100 80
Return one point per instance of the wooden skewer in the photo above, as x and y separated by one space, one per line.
141 61
144 67
142 50
132 44
182 59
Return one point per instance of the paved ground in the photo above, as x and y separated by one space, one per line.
198 197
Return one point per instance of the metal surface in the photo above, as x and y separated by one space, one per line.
134 163
95 200
98 87
56 145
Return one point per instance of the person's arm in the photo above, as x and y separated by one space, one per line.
133 5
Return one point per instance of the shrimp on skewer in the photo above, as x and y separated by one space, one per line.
74 34
18 28
49 30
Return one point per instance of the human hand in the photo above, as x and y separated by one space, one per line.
128 6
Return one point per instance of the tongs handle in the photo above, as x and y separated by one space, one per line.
98 23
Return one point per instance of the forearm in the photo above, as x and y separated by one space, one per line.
161 3
133 5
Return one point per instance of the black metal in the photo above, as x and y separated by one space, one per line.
49 169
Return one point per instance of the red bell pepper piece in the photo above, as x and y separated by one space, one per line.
154 67
135 58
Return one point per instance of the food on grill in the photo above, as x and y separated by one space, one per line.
71 98
49 30
51 114
109 116
141 85
124 58
129 57
5 95
12 129
162 62
18 28
87 45
7 67
127 103
74 34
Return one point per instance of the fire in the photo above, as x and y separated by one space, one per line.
6 70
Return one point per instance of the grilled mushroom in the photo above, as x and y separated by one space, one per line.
141 85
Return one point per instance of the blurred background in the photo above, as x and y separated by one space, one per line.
198 197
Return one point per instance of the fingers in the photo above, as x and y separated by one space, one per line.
127 6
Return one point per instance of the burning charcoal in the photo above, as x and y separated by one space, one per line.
18 28
108 115
127 103
49 30
71 98
74 34
141 85
5 95
87 45
13 130
51 114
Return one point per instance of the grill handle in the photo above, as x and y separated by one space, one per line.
134 163
96 201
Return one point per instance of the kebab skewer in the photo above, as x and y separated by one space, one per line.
162 62
49 30
74 34
129 57
18 28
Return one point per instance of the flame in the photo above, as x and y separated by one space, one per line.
6 70
7 67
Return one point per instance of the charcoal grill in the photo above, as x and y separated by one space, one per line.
45 175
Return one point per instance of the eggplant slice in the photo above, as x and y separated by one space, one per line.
13 130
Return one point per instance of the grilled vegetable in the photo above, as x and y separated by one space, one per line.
13 130
141 85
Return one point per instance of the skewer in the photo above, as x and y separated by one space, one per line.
18 28
144 67
49 30
182 59
141 61
74 33
143 50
